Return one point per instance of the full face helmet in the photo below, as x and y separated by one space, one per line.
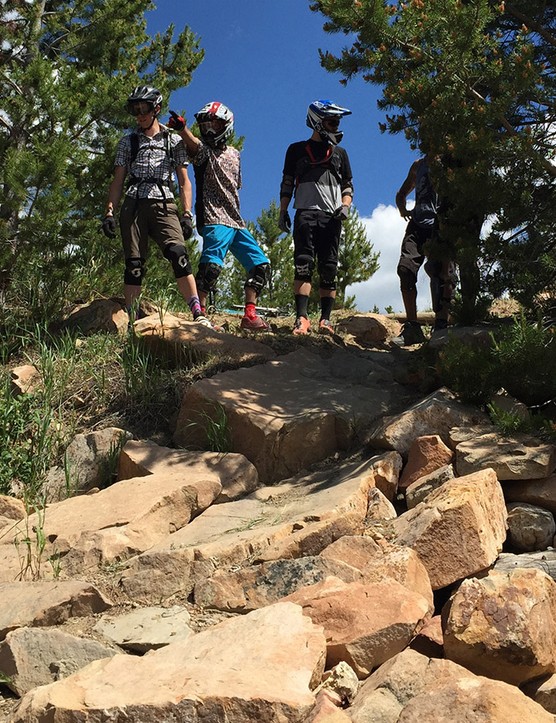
325 110
216 123
144 94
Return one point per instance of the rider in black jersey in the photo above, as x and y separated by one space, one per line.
420 243
317 171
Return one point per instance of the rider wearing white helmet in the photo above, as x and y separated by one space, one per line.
318 172
218 180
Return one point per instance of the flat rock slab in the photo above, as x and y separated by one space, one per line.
30 657
288 414
123 519
147 628
520 457
176 339
292 520
14 565
257 667
33 604
236 474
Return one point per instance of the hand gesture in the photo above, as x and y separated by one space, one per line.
176 122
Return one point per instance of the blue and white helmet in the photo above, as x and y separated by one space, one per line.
215 111
321 110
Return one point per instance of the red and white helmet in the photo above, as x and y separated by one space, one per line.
215 111
321 110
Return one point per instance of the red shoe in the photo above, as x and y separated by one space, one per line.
302 325
254 323
325 327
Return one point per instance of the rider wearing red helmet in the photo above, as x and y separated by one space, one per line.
218 180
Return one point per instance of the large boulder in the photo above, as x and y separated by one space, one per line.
288 414
412 688
258 667
503 625
458 530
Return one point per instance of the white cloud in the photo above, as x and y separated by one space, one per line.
385 228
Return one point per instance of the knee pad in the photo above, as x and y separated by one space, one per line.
304 265
408 279
134 271
327 273
257 278
207 276
177 256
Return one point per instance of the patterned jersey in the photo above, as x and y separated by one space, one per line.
152 162
217 181
318 173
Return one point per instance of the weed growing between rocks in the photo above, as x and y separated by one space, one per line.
519 359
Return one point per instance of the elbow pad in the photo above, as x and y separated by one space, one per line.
286 187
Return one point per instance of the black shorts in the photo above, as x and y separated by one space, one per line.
413 255
317 234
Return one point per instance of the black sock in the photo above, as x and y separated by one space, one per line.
326 306
301 305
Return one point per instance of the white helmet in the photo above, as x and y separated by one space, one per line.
321 110
211 112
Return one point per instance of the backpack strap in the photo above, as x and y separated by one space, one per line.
134 150
133 147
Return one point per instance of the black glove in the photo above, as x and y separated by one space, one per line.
176 122
342 213
109 226
186 223
284 222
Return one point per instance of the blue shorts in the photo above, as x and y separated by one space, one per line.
219 239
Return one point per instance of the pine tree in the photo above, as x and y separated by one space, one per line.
279 249
357 260
473 83
66 68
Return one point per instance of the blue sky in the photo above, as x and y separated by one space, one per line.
261 60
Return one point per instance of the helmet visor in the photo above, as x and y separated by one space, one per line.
140 108
214 124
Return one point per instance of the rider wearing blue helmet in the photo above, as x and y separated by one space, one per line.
318 173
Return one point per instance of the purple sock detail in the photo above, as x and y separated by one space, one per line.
195 306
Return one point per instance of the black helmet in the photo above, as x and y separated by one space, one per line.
144 94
